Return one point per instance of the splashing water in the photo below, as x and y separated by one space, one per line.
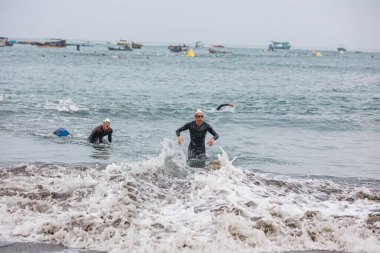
162 205
64 105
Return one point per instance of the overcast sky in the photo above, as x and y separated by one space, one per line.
314 24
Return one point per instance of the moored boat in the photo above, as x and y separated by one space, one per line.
123 43
123 48
278 45
341 50
178 48
52 43
136 45
217 45
214 51
5 42
199 44
175 48
25 42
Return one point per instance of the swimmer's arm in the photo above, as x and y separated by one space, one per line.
212 131
212 140
220 106
110 136
179 130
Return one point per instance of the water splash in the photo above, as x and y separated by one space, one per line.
64 105
161 205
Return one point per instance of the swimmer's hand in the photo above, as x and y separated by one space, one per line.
180 140
211 142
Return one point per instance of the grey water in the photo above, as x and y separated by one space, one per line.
296 114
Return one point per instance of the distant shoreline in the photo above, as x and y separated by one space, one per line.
209 44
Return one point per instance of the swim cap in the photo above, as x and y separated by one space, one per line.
61 132
198 111
108 121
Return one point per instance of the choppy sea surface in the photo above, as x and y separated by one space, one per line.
299 153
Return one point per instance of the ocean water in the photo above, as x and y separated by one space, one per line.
299 153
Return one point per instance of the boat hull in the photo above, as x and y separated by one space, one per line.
119 49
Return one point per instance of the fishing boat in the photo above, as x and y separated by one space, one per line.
175 48
199 44
217 45
278 45
214 51
341 50
52 43
3 41
123 43
123 48
25 42
9 43
136 45
178 48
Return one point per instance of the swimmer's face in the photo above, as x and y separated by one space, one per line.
199 117
106 126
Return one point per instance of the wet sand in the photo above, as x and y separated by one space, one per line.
28 247
316 251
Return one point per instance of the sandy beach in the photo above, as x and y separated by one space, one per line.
28 247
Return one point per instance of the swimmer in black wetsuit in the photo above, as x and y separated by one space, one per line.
198 130
100 131
222 105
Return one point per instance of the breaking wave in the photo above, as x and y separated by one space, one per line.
162 205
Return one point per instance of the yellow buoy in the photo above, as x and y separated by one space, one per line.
190 53
318 54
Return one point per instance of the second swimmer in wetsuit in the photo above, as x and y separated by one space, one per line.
61 132
222 105
198 130
100 131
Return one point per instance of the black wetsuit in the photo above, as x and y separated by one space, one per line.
220 106
197 148
99 133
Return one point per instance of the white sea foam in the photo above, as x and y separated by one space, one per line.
65 105
1 97
161 205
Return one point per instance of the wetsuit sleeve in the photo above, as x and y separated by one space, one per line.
212 131
220 106
110 136
179 130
